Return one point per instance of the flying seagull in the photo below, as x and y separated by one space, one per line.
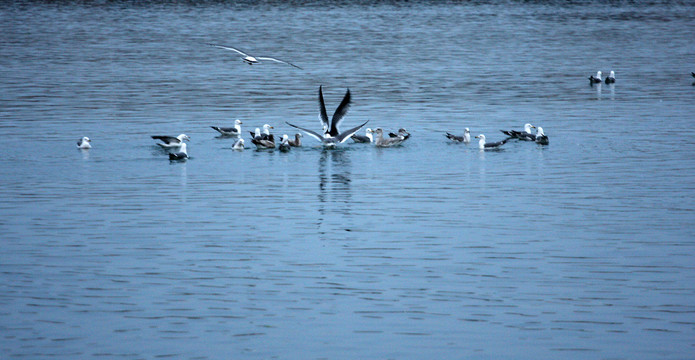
332 129
253 59
332 136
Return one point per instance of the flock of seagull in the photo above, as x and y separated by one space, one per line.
331 136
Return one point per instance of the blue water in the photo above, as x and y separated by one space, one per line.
579 249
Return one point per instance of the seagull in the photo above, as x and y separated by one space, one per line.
264 135
596 79
610 78
297 142
84 143
181 154
331 134
386 142
239 145
366 138
170 141
521 135
264 140
230 131
541 137
253 59
331 142
401 133
332 129
466 138
482 145
284 144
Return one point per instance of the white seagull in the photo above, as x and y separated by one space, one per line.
253 59
230 131
466 138
182 154
610 78
239 145
84 143
171 141
332 136
483 145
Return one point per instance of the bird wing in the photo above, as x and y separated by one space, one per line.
230 48
348 133
313 134
166 139
323 116
339 114
278 60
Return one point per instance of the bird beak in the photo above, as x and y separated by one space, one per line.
272 127
533 126
477 136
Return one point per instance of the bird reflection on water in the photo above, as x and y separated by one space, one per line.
334 187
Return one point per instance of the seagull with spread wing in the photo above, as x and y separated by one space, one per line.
332 136
253 59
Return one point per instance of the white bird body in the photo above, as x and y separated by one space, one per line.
170 141
239 145
253 59
482 145
181 154
84 143
232 131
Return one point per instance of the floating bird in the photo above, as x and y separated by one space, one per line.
483 145
253 59
297 142
610 78
401 133
170 141
263 135
331 134
331 142
230 131
332 129
285 144
380 141
596 79
84 143
264 140
366 138
466 138
521 135
181 154
541 137
238 145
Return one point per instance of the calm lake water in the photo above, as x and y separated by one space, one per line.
582 249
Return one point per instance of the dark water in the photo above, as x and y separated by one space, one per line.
582 249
